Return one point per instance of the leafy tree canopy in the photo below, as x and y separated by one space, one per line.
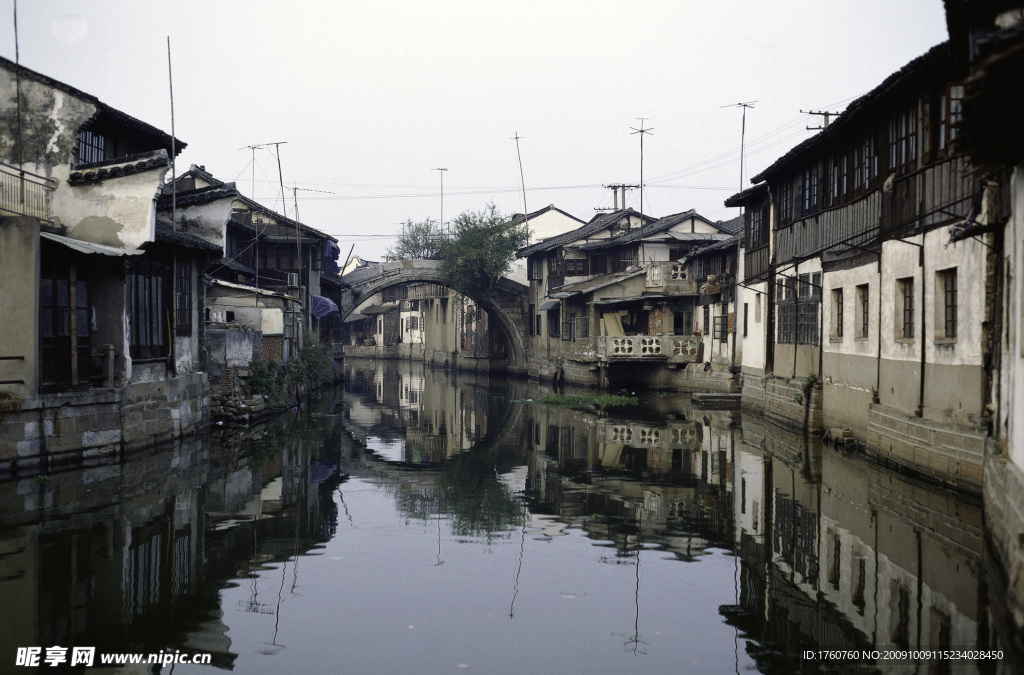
417 240
480 251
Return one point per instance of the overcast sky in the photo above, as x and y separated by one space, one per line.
371 97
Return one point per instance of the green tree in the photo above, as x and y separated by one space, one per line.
480 251
417 240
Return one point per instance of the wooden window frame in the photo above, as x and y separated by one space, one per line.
837 304
906 307
950 304
150 284
183 298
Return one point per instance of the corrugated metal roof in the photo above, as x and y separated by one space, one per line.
86 246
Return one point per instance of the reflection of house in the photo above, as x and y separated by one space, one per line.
102 305
850 546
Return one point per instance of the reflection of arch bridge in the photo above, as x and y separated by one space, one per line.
507 307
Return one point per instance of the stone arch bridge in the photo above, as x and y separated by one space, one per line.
508 307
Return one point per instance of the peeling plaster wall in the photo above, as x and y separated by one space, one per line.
206 221
50 119
117 212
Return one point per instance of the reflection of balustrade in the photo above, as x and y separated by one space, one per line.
641 435
678 348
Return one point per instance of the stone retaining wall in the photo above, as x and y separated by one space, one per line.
97 424
1004 522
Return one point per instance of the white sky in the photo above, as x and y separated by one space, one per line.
371 96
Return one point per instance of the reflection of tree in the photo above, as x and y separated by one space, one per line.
469 492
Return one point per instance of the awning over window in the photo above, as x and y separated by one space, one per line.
549 305
323 306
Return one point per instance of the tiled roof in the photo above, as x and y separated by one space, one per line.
200 172
518 217
598 223
116 168
717 246
660 225
751 194
594 283
858 110
232 265
165 234
379 308
200 196
732 226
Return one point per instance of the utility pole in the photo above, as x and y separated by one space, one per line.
642 131
615 188
522 183
440 172
824 114
743 132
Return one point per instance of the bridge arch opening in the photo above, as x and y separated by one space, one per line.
506 309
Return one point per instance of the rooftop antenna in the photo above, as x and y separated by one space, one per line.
440 225
280 179
277 152
642 131
522 184
17 95
174 149
295 199
743 132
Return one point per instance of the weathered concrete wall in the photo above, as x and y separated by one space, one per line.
948 452
19 306
848 384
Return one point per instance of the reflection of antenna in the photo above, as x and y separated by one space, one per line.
642 131
743 132
635 639
519 569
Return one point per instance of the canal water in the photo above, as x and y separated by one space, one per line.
419 521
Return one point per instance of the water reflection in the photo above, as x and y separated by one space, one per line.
463 523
